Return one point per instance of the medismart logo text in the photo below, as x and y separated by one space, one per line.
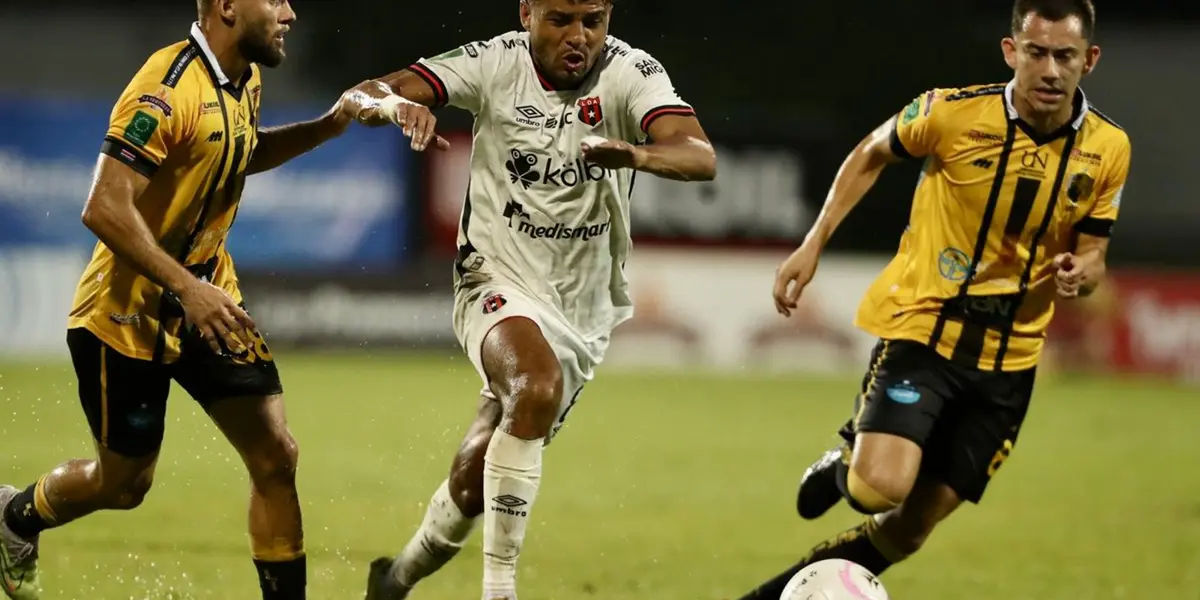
554 231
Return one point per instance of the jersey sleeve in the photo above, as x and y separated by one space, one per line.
1100 219
146 123
457 76
650 93
919 126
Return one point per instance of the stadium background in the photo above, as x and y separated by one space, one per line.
709 405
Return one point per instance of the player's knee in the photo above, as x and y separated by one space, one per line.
125 493
874 491
274 464
534 401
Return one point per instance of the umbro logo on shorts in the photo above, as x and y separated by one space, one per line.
493 303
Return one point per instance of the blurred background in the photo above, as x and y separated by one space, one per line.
345 258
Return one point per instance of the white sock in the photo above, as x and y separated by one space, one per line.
512 468
439 539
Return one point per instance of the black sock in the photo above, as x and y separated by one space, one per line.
22 516
282 580
843 474
853 545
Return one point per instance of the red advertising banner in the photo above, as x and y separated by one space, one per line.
1138 323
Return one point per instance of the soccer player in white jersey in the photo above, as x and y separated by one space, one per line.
564 117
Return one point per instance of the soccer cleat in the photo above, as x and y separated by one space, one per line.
18 557
380 583
818 487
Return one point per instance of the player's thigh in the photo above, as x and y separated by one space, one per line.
901 400
977 437
503 334
243 394
210 376
125 399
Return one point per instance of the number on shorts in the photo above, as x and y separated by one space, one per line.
1000 456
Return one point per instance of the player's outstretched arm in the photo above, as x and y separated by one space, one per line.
854 179
678 149
368 103
410 86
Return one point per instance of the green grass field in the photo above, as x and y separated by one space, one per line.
660 487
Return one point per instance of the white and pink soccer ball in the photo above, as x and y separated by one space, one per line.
834 579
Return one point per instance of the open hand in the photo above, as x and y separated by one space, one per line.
216 317
373 104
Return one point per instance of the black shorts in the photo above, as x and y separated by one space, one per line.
965 420
125 399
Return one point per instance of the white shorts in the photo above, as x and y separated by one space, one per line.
478 310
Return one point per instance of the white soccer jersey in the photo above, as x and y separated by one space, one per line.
537 216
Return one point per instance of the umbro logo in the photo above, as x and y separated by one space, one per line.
508 504
521 167
216 136
530 115
509 500
982 163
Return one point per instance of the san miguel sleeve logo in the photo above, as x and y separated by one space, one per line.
590 112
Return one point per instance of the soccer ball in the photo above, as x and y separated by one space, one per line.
834 579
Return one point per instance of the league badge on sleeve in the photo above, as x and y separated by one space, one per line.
140 128
590 112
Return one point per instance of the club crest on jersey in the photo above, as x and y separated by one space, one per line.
494 303
590 112
1080 187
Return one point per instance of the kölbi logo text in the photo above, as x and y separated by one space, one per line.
554 231
509 504
527 169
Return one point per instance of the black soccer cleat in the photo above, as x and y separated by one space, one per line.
380 583
818 487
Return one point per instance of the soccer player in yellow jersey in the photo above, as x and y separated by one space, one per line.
160 300
1021 185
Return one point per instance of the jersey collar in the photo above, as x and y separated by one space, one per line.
1081 111
210 61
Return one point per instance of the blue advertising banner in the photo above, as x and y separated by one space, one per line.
343 205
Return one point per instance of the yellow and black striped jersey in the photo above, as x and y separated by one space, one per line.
995 203
191 130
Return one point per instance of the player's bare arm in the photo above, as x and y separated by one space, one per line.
110 213
408 85
678 149
854 179
366 103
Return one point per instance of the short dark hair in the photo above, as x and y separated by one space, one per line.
1055 10
609 2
